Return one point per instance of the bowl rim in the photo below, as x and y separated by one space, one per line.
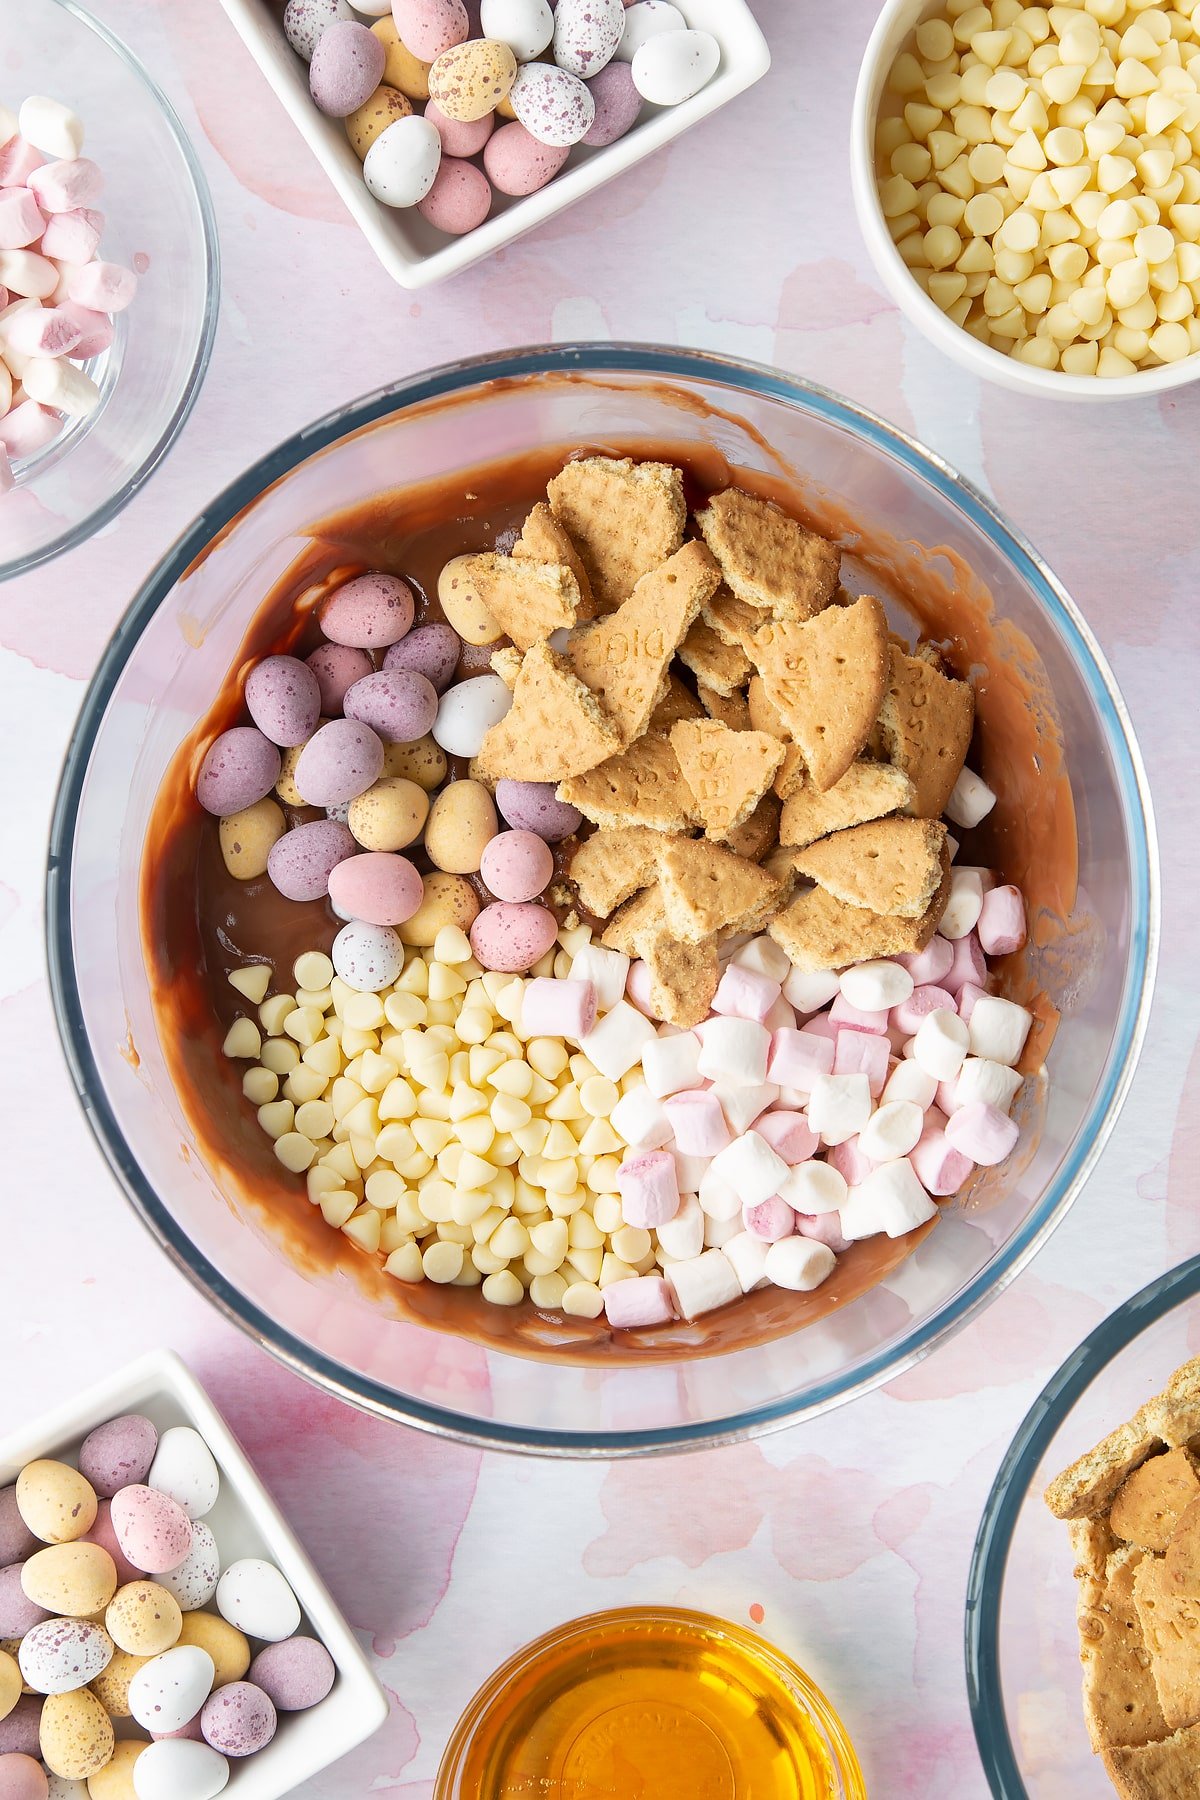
916 304
104 514
658 361
989 1558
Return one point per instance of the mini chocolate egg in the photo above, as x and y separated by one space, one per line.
467 712
102 1533
254 1596
367 957
535 806
459 599
365 123
402 164
22 1779
143 1619
301 863
248 837
399 705
112 1687
423 762
430 650
346 68
460 198
194 1582
60 1655
118 1453
18 1613
459 138
552 104
517 865
618 104
115 1781
374 610
10 1683
153 1530
517 164
339 762
673 65
186 1468
526 26
170 1689
16 1539
73 1580
283 697
19 1729
449 900
428 27
389 816
305 20
56 1502
227 1646
239 767
76 1734
378 887
407 73
337 667
470 80
586 34
294 1674
512 937
238 1720
462 820
180 1769
644 20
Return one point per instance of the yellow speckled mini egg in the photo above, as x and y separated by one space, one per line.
385 106
449 900
247 836
460 601
76 1581
470 80
77 1736
389 816
11 1683
423 762
228 1647
144 1619
462 822
401 70
112 1687
115 1780
55 1501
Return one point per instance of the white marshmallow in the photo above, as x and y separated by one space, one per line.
799 1263
683 1236
952 845
615 1043
981 1078
814 1187
998 1028
742 1105
718 1232
703 1283
941 1044
909 1081
763 955
751 1167
670 1064
875 986
811 989
780 1015
51 128
640 1120
891 1131
964 905
971 800
689 1171
747 1256
53 381
719 1199
891 1200
839 1106
735 1048
605 969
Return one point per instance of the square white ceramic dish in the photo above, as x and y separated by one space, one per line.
412 251
245 1522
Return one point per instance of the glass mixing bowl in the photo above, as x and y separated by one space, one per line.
159 221
1022 1646
178 645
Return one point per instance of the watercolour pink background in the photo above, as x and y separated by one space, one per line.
848 1538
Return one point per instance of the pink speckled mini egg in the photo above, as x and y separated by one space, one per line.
337 667
370 612
427 27
460 137
283 697
618 104
518 164
378 887
517 865
399 705
431 650
21 1778
511 937
460 198
295 1674
153 1530
102 1533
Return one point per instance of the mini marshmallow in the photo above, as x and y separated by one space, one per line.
743 1105
814 1187
980 1078
18 160
639 1300
683 1236
747 1257
1002 924
60 187
51 127
982 1132
968 995
789 1135
25 272
751 1167
698 1123
718 1198
799 1263
769 1219
72 237
703 1283
838 1107
52 381
737 1048
940 1168
648 1189
763 955
921 1002
821 1025
717 1232
940 1045
909 1081
809 990
850 1163
46 331
26 428
689 1170
615 1043
930 965
971 800
876 986
639 985
998 1028
964 905
968 964
781 1017
108 288
891 1131
890 1200
21 220
551 1008
798 1057
671 1064
987 877
641 1121
845 1016
862 1052
824 1228
745 994
607 970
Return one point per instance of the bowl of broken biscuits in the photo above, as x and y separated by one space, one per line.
1083 1608
785 889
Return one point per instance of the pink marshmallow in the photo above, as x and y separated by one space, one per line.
637 989
967 964
649 1189
95 330
982 1132
698 1123
1002 926
73 237
552 1008
639 1300
102 286
856 1019
21 220
850 1162
27 427
18 160
968 994
823 1228
771 1219
43 331
60 187
930 965
907 1015
745 993
821 1025
7 478
798 1057
939 1167
861 1052
789 1135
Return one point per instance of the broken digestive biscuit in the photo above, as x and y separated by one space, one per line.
1170 1625
544 540
825 679
768 559
678 702
925 724
1120 1699
609 866
643 785
731 709
707 889
818 931
554 728
714 662
506 664
1088 1486
866 791
624 518
1151 1500
758 834
727 771
528 600
1166 1770
734 621
683 976
889 865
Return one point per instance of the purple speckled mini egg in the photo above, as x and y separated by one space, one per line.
460 198
296 1674
118 1453
305 20
240 769
337 667
553 105
427 27
618 104
20 1732
238 1719
283 697
399 704
346 68
153 1530
534 806
370 612
378 887
301 862
430 650
102 1533
512 937
517 865
16 1540
586 34
18 1614
339 762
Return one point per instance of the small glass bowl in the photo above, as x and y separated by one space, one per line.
1022 1647
158 221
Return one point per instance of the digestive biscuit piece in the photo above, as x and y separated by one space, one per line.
1151 1500
714 662
767 559
889 865
826 680
818 931
727 771
678 702
640 786
1120 1699
544 540
707 889
866 791
925 724
609 866
554 729
1170 1625
624 518
528 600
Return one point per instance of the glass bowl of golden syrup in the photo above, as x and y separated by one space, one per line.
649 1704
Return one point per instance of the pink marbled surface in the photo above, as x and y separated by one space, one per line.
853 1534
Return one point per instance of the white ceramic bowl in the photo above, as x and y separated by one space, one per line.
412 251
245 1522
896 20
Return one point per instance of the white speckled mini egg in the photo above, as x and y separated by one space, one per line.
644 20
170 1689
586 34
180 1769
553 105
673 65
185 1468
526 26
60 1655
194 1582
254 1596
402 164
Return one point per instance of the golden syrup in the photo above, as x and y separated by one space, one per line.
662 1705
